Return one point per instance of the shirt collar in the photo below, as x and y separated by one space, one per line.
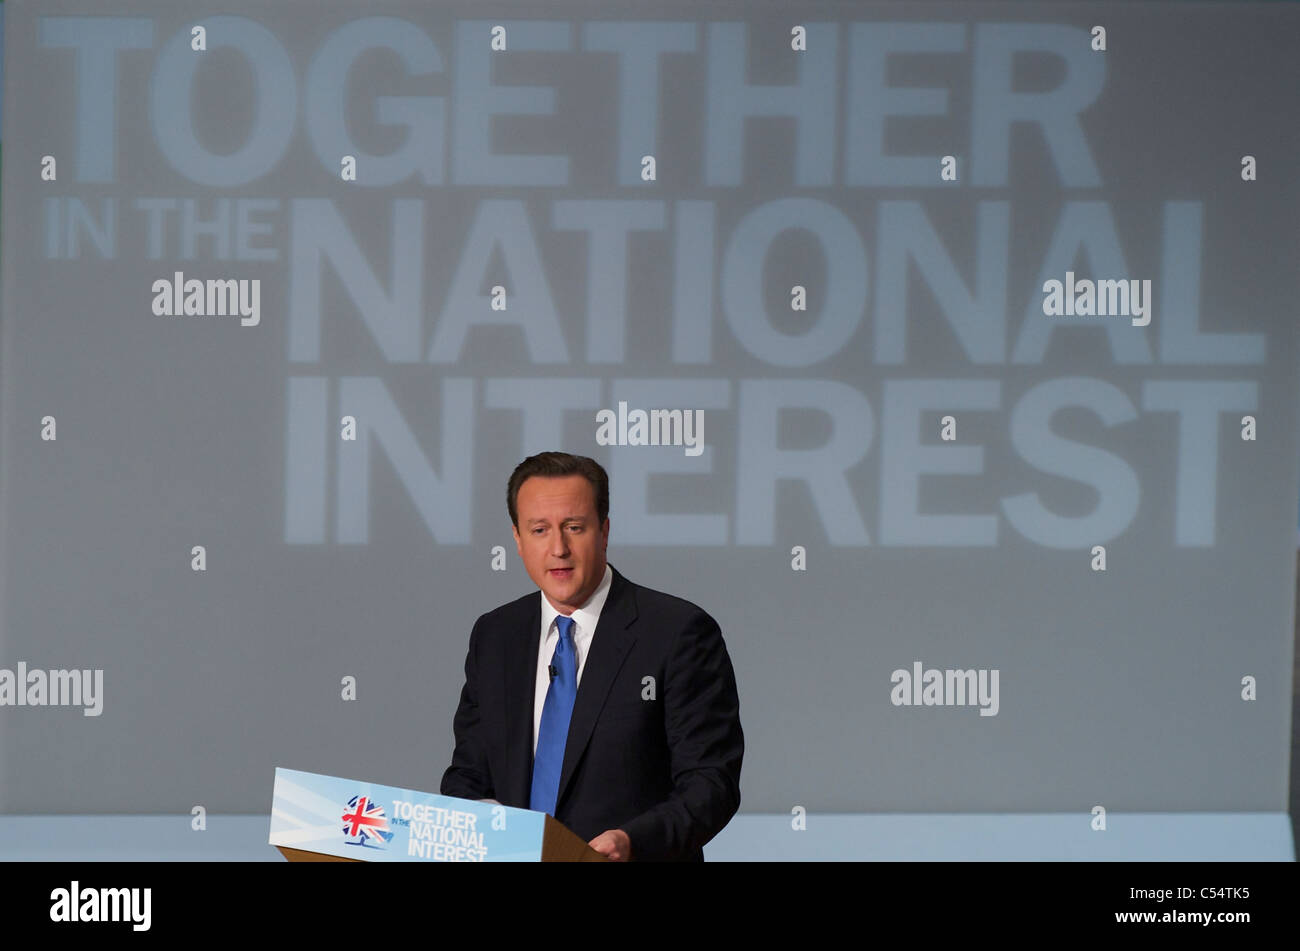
587 615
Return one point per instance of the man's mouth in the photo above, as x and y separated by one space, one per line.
561 572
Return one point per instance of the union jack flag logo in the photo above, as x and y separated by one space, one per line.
365 824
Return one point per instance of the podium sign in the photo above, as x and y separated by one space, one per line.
359 820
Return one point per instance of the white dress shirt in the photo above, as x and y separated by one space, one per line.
584 626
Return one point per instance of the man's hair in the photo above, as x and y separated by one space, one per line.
549 464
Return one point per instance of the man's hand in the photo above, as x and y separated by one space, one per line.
613 844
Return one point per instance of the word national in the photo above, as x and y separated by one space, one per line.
445 835
211 298
656 427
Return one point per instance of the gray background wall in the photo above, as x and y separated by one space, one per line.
372 558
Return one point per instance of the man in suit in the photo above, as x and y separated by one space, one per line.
610 706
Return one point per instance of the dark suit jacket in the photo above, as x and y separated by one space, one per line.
666 771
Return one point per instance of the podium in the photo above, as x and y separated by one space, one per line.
558 845
318 818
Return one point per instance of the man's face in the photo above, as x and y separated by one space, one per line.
559 538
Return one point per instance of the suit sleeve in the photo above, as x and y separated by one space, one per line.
706 745
468 775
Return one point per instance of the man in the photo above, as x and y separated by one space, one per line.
608 705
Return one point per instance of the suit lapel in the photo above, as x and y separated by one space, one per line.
609 645
520 687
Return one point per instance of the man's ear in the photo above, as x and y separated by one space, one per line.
518 544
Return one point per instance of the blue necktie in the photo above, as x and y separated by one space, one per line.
556 711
